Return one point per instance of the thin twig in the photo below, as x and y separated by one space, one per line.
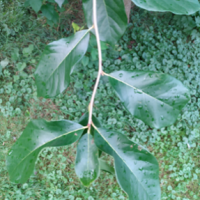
90 107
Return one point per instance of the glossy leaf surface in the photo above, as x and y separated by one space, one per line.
154 98
87 163
186 7
37 135
54 69
111 18
136 169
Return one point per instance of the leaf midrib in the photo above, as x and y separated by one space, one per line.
68 54
140 90
119 157
45 144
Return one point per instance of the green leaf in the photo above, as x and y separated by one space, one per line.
37 135
4 63
94 54
50 13
85 61
60 2
36 4
93 43
136 169
106 167
27 3
111 18
87 163
187 7
54 69
21 66
76 27
28 50
15 54
104 46
153 97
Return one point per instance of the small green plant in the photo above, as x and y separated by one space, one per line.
155 98
48 8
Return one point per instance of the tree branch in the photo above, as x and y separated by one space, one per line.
90 107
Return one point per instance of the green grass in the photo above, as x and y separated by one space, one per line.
155 42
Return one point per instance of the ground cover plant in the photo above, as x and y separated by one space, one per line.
50 9
125 58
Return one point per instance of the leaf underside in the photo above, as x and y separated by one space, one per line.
87 163
153 97
37 135
60 2
185 7
137 170
57 61
111 18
